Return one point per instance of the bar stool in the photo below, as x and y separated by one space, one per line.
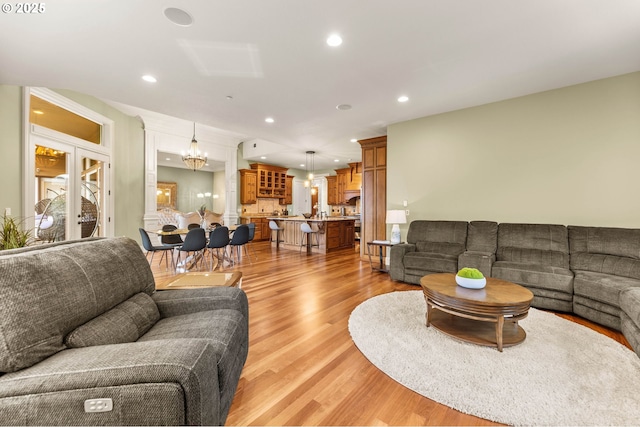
274 226
307 233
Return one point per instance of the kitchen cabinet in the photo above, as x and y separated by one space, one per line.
248 186
272 180
288 191
340 234
349 182
374 189
332 190
263 232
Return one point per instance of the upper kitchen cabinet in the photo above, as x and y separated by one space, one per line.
349 183
265 181
248 186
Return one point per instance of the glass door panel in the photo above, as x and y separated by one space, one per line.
51 178
92 180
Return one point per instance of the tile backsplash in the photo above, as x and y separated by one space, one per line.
263 206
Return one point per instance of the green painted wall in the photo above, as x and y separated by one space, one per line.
127 161
11 148
127 164
566 156
190 183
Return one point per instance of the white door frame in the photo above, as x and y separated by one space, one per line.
38 135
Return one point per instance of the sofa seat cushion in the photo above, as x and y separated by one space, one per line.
432 262
225 330
535 275
126 322
605 288
630 304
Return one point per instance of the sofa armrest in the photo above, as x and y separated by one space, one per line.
483 261
156 382
185 301
396 262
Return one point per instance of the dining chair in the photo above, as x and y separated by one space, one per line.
252 233
239 240
195 243
308 233
192 226
219 239
151 248
170 239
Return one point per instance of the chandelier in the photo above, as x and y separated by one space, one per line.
309 178
193 159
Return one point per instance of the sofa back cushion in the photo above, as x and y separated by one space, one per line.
605 250
546 244
445 248
482 236
126 322
49 290
437 231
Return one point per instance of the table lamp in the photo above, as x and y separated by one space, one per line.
396 217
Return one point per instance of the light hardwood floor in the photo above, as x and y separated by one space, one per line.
303 368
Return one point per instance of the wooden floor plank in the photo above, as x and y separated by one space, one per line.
303 368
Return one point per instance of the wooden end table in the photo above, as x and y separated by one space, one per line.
468 314
198 279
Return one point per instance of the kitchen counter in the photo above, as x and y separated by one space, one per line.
333 233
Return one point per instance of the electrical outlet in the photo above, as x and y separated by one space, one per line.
7 211
98 405
406 212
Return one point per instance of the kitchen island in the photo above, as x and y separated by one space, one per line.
333 233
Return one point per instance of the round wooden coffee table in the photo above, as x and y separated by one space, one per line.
468 314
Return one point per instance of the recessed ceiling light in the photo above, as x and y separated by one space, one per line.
343 107
301 165
230 98
269 120
263 157
168 158
336 160
354 140
334 40
403 98
149 78
178 16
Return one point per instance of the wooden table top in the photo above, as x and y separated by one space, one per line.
497 297
197 279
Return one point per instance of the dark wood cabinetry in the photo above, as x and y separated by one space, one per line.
332 190
263 232
345 185
265 181
340 234
248 186
374 189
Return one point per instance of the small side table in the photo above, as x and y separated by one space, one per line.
381 244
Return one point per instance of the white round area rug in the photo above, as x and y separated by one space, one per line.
562 374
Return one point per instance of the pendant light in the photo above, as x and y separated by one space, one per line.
193 159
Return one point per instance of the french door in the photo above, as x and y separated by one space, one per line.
70 189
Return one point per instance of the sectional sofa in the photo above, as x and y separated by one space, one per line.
593 272
86 340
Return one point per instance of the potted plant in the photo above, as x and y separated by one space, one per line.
12 234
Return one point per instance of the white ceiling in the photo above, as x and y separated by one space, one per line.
270 56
